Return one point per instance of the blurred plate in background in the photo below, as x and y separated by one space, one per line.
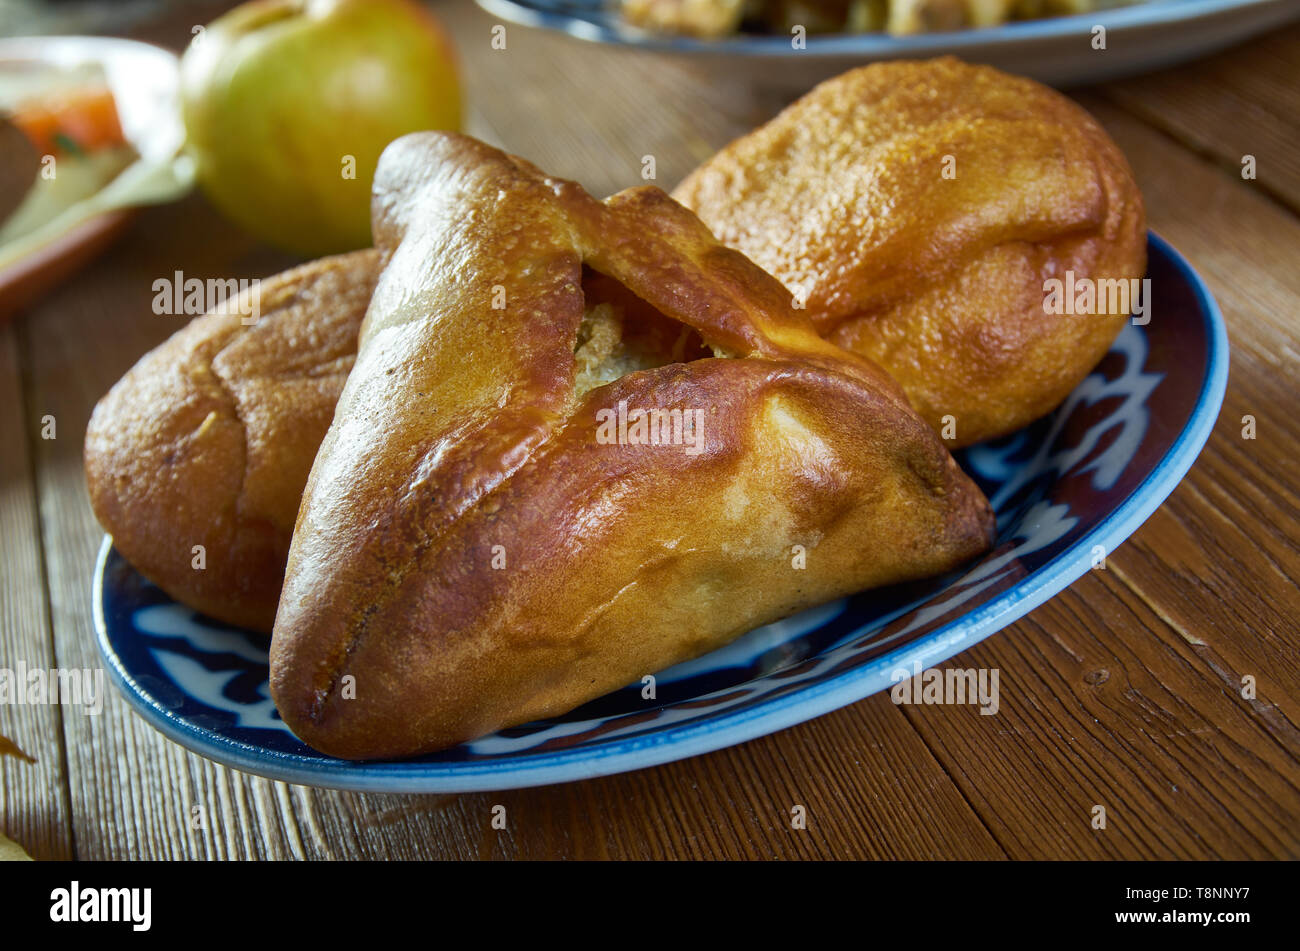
1057 50
144 82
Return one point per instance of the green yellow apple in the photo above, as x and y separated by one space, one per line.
288 103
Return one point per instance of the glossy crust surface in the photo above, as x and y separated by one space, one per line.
209 438
470 554
920 207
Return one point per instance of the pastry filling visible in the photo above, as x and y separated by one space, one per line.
620 334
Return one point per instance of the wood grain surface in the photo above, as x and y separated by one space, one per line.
1124 691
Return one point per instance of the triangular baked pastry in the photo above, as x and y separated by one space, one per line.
484 540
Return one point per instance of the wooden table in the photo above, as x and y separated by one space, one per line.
1124 690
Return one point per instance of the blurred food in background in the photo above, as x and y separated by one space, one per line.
60 142
89 131
716 18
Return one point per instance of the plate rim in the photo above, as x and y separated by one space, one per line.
1140 16
727 729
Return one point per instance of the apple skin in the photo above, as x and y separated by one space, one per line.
275 94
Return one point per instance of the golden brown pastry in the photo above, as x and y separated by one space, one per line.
921 207
488 536
208 440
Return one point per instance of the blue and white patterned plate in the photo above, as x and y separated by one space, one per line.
1057 50
1066 488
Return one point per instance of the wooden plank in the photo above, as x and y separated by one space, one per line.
592 113
1102 703
33 796
1211 566
1242 102
869 787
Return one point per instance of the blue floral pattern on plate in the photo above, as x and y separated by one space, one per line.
1070 486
